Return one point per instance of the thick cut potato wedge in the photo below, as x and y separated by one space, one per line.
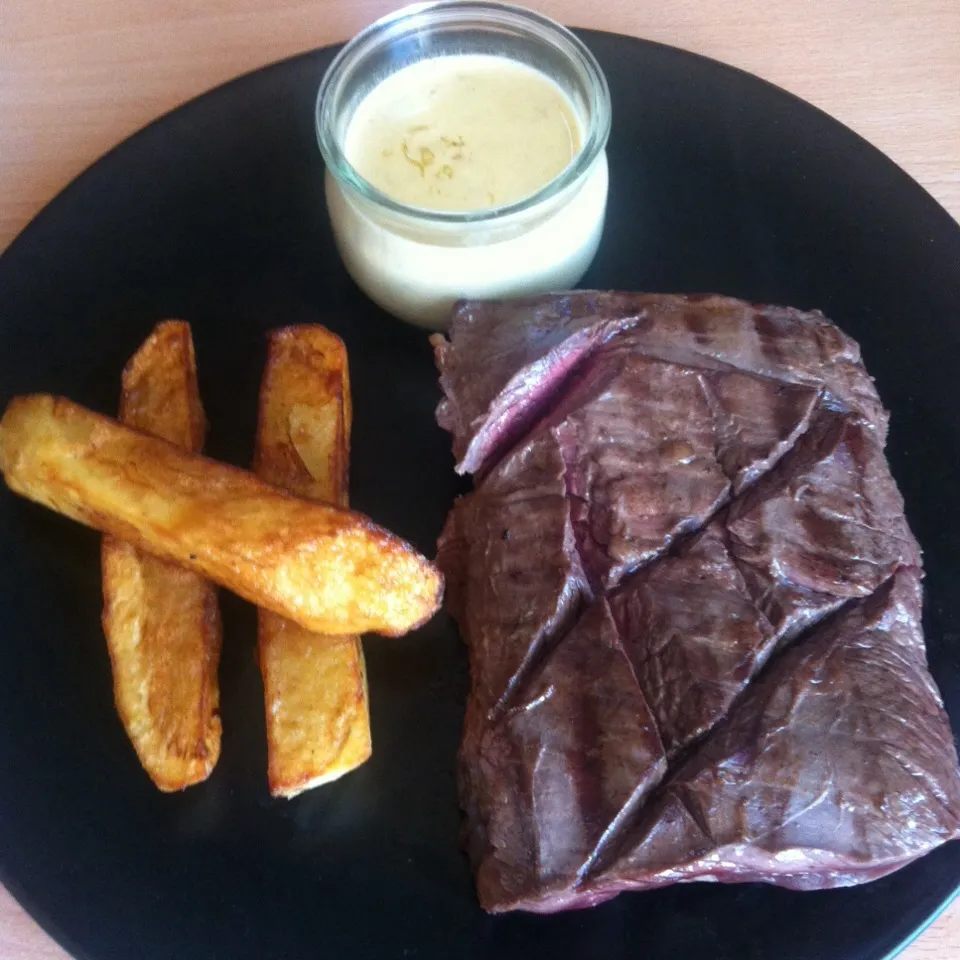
315 692
162 623
330 570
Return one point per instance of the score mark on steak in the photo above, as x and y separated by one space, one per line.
691 602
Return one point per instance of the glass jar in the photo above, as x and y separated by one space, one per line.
414 262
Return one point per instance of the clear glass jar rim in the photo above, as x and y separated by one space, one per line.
594 144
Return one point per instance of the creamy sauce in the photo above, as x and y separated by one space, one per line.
418 278
460 133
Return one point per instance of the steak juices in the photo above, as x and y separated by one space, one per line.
691 601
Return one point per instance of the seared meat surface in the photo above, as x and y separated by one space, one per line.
691 601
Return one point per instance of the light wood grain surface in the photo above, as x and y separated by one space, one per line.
77 76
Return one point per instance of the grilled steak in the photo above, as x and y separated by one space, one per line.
691 602
837 767
518 526
505 360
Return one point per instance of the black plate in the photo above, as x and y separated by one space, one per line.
720 182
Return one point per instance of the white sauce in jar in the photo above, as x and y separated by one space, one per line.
463 133
460 134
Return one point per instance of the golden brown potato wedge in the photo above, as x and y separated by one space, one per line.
315 692
159 392
162 623
330 570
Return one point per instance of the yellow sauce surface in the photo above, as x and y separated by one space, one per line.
461 133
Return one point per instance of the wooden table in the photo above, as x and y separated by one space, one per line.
77 77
